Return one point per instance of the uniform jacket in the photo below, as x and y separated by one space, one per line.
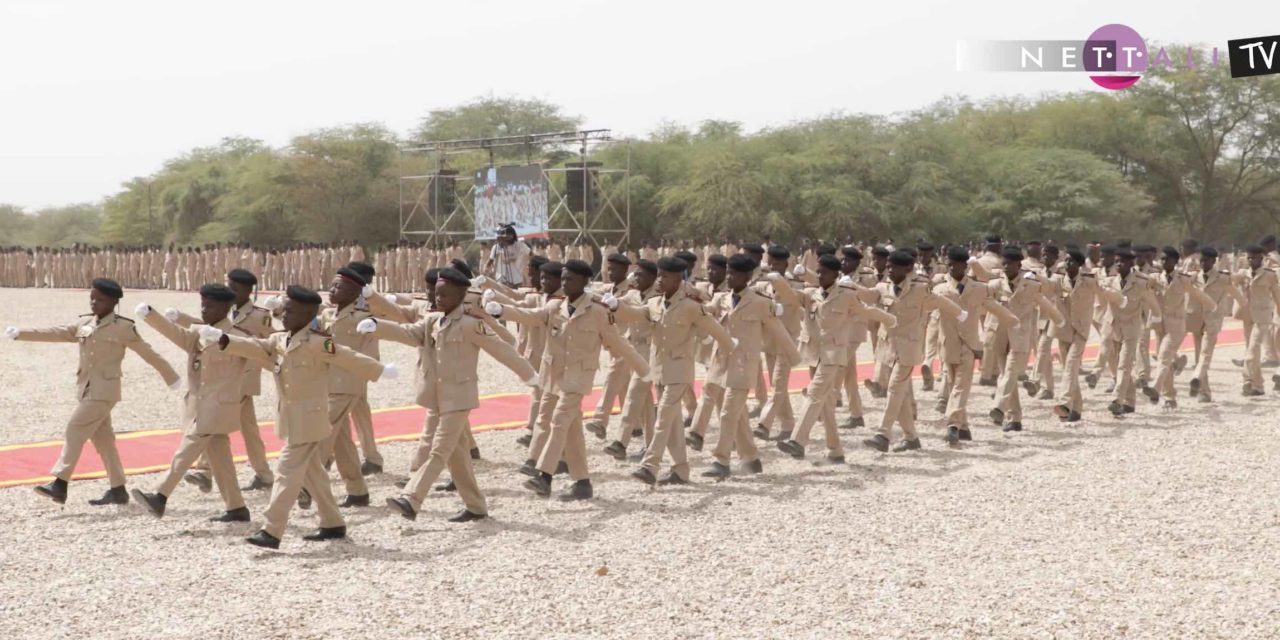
748 320
102 346
215 378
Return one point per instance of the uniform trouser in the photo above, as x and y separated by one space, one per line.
638 410
711 402
854 402
1043 373
668 432
362 419
1009 396
345 455
762 389
1144 353
957 381
559 436
300 467
535 397
931 340
994 346
899 405
90 422
1075 356
735 429
779 404
617 379
1256 338
255 450
1126 350
1171 332
448 448
216 448
820 403
429 426
1271 345
690 401
1207 337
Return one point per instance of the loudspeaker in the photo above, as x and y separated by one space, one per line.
442 196
581 188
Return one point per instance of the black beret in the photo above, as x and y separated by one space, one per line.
351 275
1170 252
1190 242
1145 248
1253 248
1033 243
1209 252
1108 249
108 287
1124 254
432 275
829 261
1076 255
454 276
1124 243
461 266
365 270
957 253
1052 249
722 261
552 267
672 264
827 249
880 250
742 263
217 292
537 261
688 256
579 267
299 293
778 251
851 252
647 265
753 247
925 246
1268 240
242 276
993 238
901 258
620 258
1011 253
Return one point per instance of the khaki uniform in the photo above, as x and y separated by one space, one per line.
303 364
786 291
988 267
1261 290
1078 300
102 346
638 408
1174 290
960 342
1023 296
1125 329
1042 374
617 377
447 385
712 398
346 393
1205 325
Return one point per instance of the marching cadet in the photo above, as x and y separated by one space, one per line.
617 378
1079 291
857 278
1021 292
1204 325
880 271
959 342
544 275
712 399
1040 260
1174 289
748 316
255 322
694 291
1271 260
637 408
1125 327
1103 268
1145 263
302 359
361 412
576 327
925 266
986 268
449 345
783 284
676 319
908 298
1261 289
830 307
211 408
103 337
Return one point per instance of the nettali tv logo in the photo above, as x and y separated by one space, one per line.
1114 56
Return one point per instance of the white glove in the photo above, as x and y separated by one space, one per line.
773 276
798 271
210 335
494 309
845 281
142 310
11 333
177 384
708 340
972 260
532 381
479 281
368 325
588 291
610 301
778 310
488 296
171 314
391 297
964 315
367 291
735 342
273 303
652 376
390 371
1030 275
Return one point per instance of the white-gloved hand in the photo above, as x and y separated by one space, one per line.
735 342
143 310
368 325
390 371
532 381
488 295
799 271
367 291
1030 275
392 298
177 384
494 309
11 333
972 260
778 311
845 281
273 303
773 276
479 281
588 291
708 340
964 315
210 335
610 301
171 314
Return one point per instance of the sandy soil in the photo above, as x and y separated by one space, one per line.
1158 525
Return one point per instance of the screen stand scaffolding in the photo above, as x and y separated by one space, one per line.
588 201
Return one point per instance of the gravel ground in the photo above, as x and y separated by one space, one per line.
1159 525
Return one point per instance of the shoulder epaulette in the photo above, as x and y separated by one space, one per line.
919 277
322 333
85 315
1141 275
1089 275
129 320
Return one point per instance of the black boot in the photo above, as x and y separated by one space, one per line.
154 502
326 533
447 485
264 540
694 440
114 495
580 490
55 490
475 453
644 475
369 468
234 515
467 516
355 501
541 484
404 507
879 443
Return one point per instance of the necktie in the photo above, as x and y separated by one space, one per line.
572 309
825 294
897 290
736 299
235 313
960 287
666 304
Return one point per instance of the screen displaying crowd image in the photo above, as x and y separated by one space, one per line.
515 195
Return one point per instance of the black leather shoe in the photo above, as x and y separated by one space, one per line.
1074 417
717 471
475 453
672 478
596 428
829 461
1250 392
1237 362
688 421
256 484
907 445
368 468
953 435
1062 411
1151 394
114 495
1170 404
791 448
355 501
326 533
644 475
617 450
1045 395
540 485
234 515
467 516
940 406
525 439
966 435
56 490
447 485
1031 387
926 378
1115 408
304 499
201 480
1128 408
760 432
1013 425
529 468
1091 380
879 443
751 468
637 433
986 382
580 490
1194 387
264 540
154 502
404 507
997 416
694 440
1275 382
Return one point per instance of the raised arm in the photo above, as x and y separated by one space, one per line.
184 320
620 348
149 355
777 331
414 335
707 325
1201 297
502 351
381 307
353 362
1048 308
64 333
186 339
1007 318
259 350
946 307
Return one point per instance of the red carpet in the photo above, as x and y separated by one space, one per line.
149 451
